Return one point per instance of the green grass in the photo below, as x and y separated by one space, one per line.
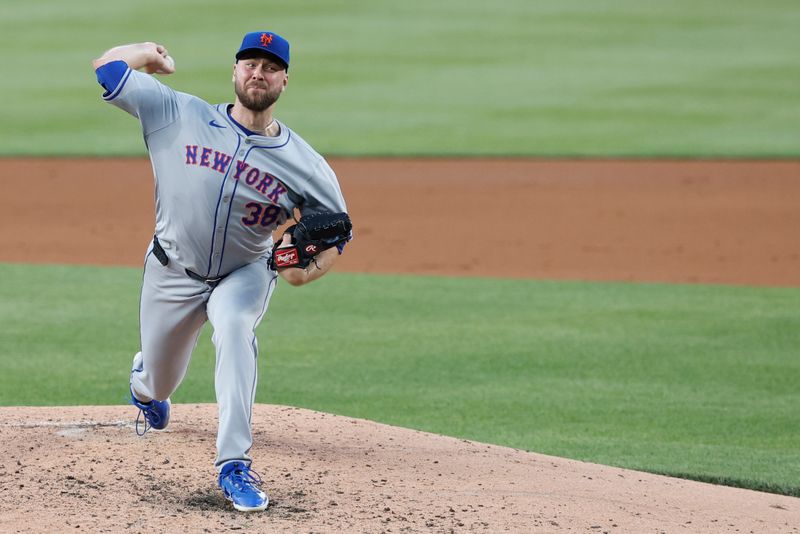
461 77
693 381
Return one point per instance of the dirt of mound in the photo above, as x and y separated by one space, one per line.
84 469
732 222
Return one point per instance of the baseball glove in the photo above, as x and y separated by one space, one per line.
310 236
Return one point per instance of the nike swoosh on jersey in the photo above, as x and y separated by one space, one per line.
213 123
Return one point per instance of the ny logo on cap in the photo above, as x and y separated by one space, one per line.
266 39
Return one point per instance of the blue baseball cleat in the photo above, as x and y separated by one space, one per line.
242 486
156 414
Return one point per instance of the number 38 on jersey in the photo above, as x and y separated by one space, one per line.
262 214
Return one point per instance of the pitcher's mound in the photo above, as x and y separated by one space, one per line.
84 469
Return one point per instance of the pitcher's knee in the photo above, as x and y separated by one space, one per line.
231 330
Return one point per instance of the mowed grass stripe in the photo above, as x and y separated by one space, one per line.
452 77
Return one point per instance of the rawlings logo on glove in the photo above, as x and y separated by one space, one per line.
286 257
309 237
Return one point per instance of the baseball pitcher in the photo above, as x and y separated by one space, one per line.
226 176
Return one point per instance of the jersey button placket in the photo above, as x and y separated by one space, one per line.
225 200
219 231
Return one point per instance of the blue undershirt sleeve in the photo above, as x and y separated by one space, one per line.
110 74
140 94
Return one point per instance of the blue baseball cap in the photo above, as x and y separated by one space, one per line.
268 42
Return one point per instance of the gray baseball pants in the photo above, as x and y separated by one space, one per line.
173 309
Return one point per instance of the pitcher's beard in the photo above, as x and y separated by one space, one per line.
261 101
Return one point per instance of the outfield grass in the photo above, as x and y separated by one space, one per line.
693 78
694 381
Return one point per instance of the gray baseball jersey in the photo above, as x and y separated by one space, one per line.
220 191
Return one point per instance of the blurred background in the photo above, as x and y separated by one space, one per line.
694 78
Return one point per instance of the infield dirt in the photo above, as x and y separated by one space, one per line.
84 469
730 222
